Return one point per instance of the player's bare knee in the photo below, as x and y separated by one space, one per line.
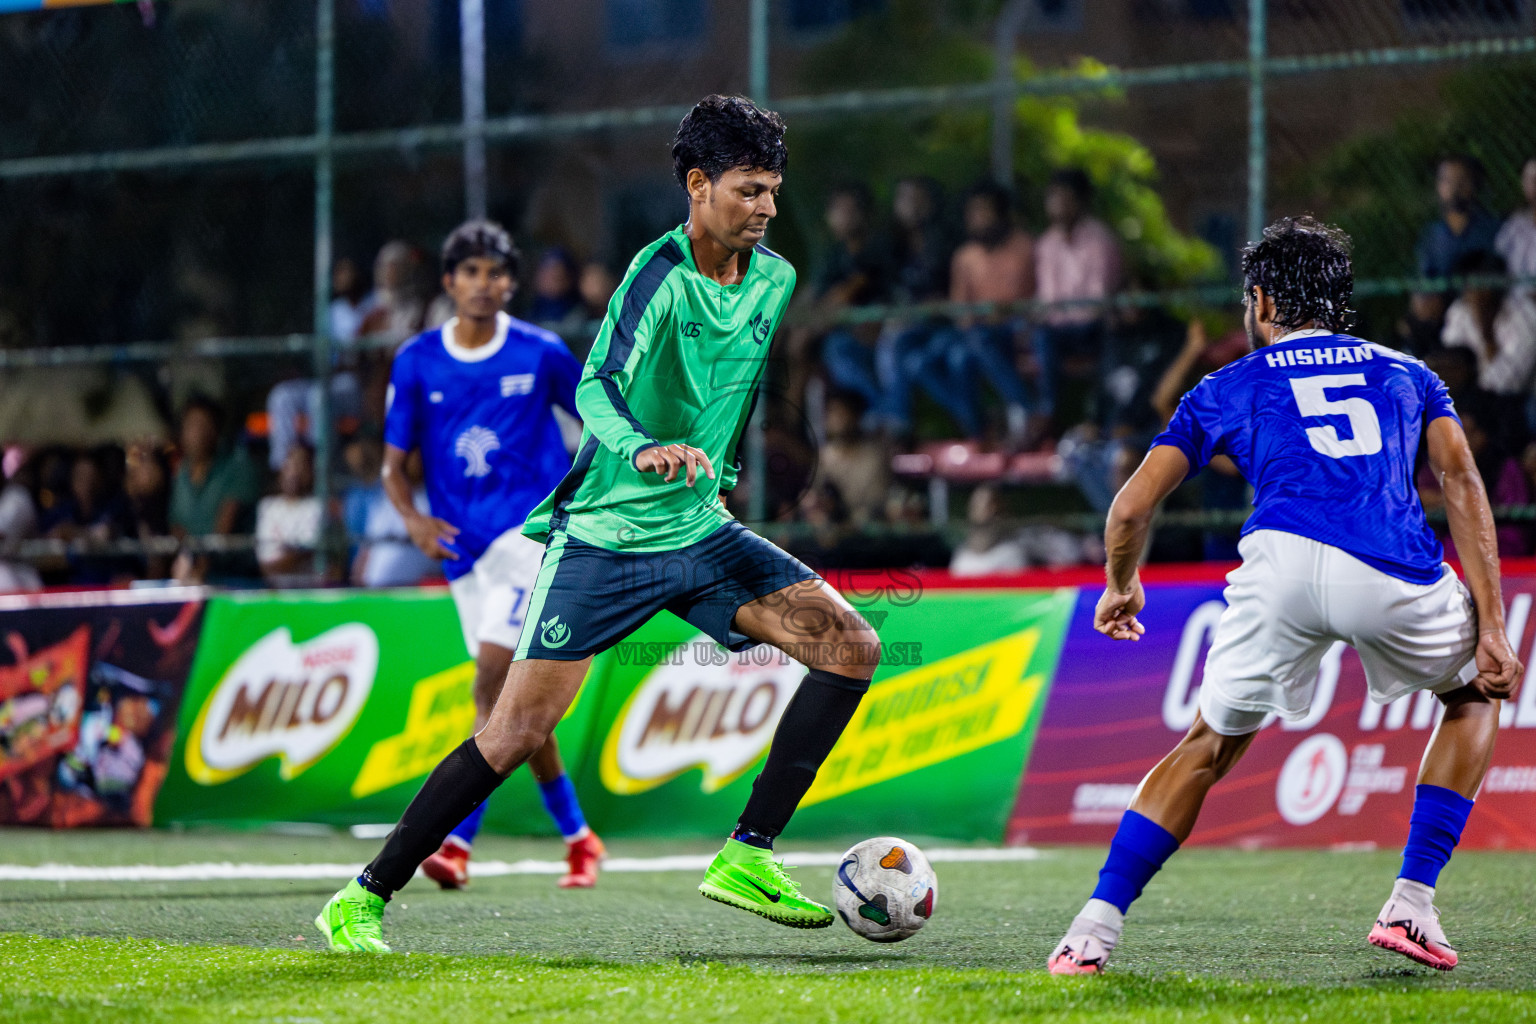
864 650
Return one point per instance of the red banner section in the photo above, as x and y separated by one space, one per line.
88 703
1343 777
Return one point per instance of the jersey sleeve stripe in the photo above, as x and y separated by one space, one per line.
568 486
621 343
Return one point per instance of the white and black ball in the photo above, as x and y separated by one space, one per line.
885 889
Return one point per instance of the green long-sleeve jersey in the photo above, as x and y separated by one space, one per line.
678 360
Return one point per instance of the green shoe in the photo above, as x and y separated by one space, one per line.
350 921
748 878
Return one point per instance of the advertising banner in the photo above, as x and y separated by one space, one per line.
331 706
680 727
88 703
1343 777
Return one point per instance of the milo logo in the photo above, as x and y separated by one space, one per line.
285 700
694 713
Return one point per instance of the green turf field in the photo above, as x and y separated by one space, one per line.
1221 935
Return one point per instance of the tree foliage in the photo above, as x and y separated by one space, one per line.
910 44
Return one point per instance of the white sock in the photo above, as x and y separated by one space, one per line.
1416 895
1100 919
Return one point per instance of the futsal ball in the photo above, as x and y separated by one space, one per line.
885 889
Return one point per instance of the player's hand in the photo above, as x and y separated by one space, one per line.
430 534
1115 616
1498 668
669 459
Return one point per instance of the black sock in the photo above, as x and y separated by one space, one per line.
458 785
816 717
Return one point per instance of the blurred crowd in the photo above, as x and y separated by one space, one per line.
1040 397
1067 394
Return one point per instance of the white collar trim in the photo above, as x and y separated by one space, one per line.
1313 332
483 352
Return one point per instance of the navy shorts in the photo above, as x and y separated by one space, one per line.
588 598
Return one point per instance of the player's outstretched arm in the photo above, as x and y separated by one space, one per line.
1125 537
427 532
1471 521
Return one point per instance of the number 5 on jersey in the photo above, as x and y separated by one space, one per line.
1312 400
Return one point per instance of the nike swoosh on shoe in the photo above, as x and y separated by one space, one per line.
773 897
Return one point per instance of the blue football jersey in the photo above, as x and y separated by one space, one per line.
1326 428
483 418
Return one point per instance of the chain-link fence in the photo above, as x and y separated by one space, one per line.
179 179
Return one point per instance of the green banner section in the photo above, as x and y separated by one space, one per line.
330 707
333 706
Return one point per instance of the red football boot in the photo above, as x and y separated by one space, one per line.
449 866
582 855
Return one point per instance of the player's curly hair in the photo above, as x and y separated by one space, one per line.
481 238
725 132
1303 265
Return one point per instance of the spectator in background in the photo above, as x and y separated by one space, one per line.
555 292
854 272
1499 327
597 287
364 459
351 301
1077 261
995 264
989 547
1103 451
920 247
1503 477
288 523
1222 487
211 493
921 252
1463 228
399 307
857 466
90 510
1516 241
18 520
146 491
387 556
295 404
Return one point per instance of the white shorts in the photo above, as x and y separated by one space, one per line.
1293 598
493 597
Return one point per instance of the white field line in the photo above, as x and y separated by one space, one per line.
482 868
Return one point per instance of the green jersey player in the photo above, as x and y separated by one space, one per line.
639 525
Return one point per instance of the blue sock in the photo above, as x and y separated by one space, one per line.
560 801
466 830
1139 849
1434 829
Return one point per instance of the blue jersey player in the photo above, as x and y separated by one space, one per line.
1326 427
476 396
